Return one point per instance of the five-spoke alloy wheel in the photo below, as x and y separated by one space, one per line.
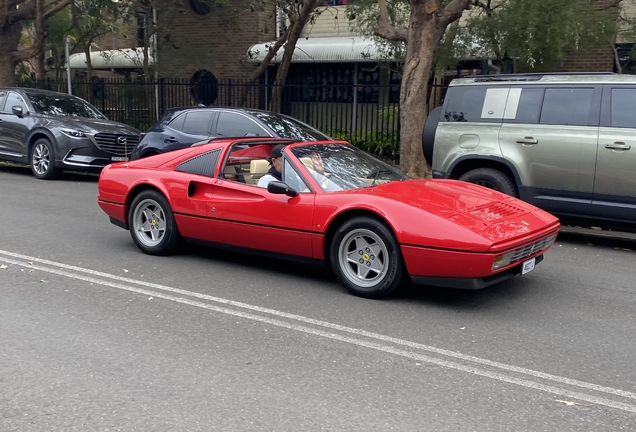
43 160
366 258
152 223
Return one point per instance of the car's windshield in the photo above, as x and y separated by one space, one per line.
344 167
288 127
60 105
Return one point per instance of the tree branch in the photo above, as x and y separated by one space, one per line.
453 11
385 29
58 7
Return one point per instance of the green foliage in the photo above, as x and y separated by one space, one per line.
536 34
380 143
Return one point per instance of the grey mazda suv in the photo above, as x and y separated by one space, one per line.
54 131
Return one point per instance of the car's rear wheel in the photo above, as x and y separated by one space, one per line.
42 159
152 224
366 258
492 179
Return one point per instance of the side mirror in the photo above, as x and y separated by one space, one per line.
17 110
277 187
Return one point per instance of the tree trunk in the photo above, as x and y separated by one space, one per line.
296 28
424 35
10 37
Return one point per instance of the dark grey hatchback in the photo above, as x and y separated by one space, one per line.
54 131
182 127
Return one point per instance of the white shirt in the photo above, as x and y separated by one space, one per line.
265 180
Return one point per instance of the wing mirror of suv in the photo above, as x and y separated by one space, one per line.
277 187
17 110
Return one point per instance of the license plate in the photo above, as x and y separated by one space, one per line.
527 266
119 158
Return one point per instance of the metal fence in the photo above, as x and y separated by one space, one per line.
355 112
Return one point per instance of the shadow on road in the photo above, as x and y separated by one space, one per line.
25 170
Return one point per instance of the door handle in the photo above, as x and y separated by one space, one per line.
171 140
528 140
618 145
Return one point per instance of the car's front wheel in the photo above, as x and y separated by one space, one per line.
366 258
492 179
152 224
42 159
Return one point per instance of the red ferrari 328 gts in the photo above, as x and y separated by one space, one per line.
334 203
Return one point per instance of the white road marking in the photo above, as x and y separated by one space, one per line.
28 262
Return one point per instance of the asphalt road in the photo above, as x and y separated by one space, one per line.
97 336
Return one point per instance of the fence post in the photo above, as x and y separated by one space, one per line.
229 92
162 95
103 94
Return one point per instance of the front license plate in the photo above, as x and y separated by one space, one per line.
119 158
527 266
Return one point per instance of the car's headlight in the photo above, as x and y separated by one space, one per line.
74 133
502 260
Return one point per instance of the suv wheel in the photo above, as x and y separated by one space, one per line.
43 160
492 179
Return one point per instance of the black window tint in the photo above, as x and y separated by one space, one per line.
203 164
63 105
465 104
624 108
567 106
177 123
529 108
237 125
197 123
288 127
3 98
14 99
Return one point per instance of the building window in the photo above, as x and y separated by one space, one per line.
200 7
204 87
141 28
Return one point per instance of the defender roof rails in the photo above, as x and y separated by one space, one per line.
535 76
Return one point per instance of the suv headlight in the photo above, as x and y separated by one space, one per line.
73 133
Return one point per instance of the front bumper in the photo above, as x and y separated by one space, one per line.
95 151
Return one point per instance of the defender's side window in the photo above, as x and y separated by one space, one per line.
567 106
524 105
476 104
623 109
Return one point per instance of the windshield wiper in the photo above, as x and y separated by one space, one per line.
375 175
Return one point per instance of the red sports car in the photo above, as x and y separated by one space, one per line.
330 202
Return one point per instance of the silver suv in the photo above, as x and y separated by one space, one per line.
563 142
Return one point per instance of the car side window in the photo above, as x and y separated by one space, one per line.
237 125
292 179
3 98
14 99
476 104
197 123
524 105
623 108
567 106
177 123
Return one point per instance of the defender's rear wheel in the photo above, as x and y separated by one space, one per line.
492 179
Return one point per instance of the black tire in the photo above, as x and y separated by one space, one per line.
152 225
42 160
492 179
377 254
428 134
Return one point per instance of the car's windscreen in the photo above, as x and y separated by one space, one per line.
63 106
288 127
344 167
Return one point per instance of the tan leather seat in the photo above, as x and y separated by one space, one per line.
258 168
